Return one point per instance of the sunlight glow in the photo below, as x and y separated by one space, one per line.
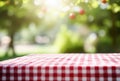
37 2
49 3
53 4
52 9
65 9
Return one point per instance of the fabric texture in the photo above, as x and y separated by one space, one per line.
62 67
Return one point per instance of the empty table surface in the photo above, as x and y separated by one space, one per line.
62 67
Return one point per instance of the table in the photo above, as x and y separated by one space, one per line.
62 67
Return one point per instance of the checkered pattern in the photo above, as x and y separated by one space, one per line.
62 67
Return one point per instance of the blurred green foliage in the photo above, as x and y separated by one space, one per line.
104 45
18 14
15 15
68 42
102 16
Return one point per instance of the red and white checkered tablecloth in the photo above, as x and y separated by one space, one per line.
62 67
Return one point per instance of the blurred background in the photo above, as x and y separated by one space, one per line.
58 26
